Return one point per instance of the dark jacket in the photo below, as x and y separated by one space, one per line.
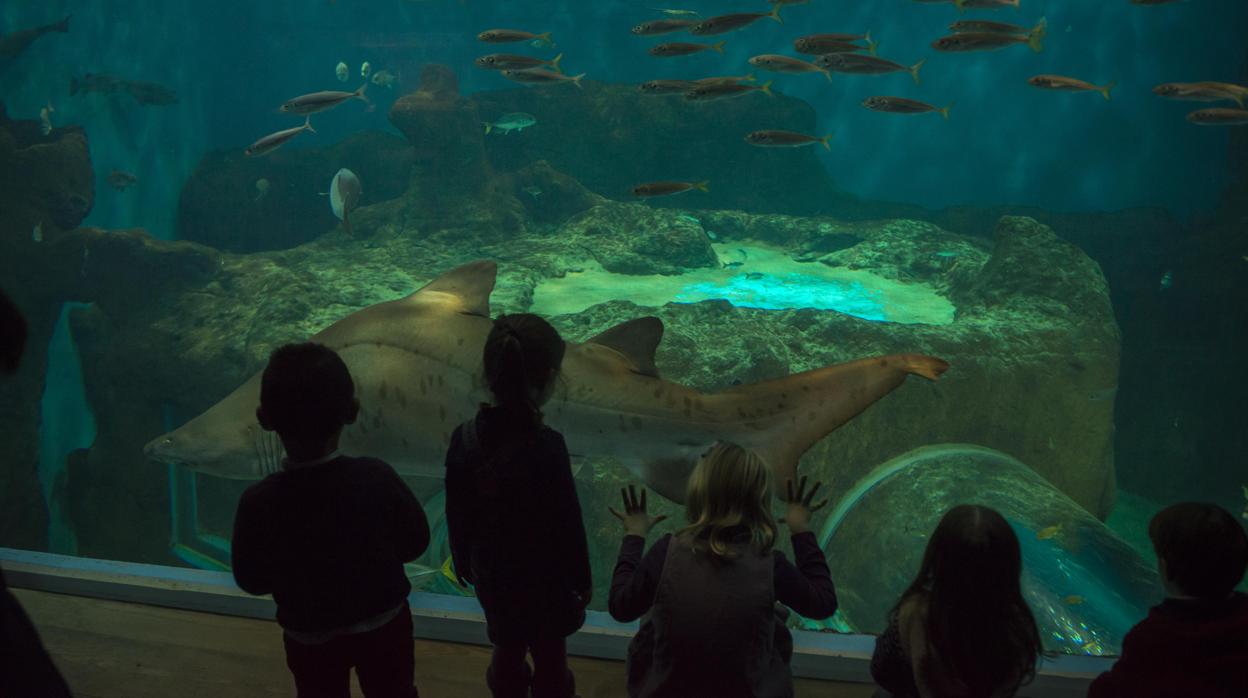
515 527
1183 648
25 667
711 625
329 542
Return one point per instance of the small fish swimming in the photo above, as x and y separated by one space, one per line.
506 36
653 189
101 83
366 69
1219 117
516 121
1073 600
541 76
344 196
315 102
819 44
662 26
786 139
682 48
45 118
858 64
342 72
981 26
723 90
901 105
532 191
121 180
991 41
36 235
386 79
666 87
1202 91
1167 280
150 93
1058 82
677 13
964 5
508 61
1049 532
726 23
273 141
785 64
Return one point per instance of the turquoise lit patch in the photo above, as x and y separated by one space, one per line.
771 292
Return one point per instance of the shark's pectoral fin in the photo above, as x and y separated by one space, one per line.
471 284
637 340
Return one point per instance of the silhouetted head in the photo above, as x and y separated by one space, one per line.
729 498
1202 551
306 394
12 335
979 629
521 359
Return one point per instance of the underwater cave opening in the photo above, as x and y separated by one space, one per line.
752 275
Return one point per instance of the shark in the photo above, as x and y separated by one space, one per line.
417 366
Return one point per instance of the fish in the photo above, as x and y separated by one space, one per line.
101 83
515 121
1058 82
262 189
784 64
386 79
901 105
45 118
532 191
722 90
991 41
681 48
1167 280
981 26
121 180
342 71
666 87
786 139
1048 532
662 26
36 235
1219 117
677 13
541 76
653 189
13 45
1073 600
315 102
150 93
344 196
506 36
964 5
507 61
1202 91
611 400
858 64
365 69
726 23
273 141
725 79
819 44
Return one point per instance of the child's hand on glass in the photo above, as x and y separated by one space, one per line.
797 516
635 519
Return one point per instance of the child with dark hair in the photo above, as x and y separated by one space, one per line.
962 628
712 628
513 516
328 534
1195 643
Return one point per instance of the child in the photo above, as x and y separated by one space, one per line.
513 517
962 628
710 591
1195 643
328 534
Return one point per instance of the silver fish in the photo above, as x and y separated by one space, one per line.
321 101
344 196
273 141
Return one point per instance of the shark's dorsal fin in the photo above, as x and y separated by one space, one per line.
471 283
637 339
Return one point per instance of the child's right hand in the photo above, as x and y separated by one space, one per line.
635 519
797 516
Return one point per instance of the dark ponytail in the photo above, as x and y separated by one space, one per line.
521 355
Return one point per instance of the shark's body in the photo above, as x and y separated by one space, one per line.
416 362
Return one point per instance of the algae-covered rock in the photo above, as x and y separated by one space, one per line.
638 239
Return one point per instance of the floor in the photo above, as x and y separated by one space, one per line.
109 648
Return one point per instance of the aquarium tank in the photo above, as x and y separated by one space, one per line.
720 204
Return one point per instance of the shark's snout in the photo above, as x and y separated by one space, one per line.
163 449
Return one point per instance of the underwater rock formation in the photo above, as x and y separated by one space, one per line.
1084 584
638 239
446 134
243 204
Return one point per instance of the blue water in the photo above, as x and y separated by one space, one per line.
234 62
772 292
